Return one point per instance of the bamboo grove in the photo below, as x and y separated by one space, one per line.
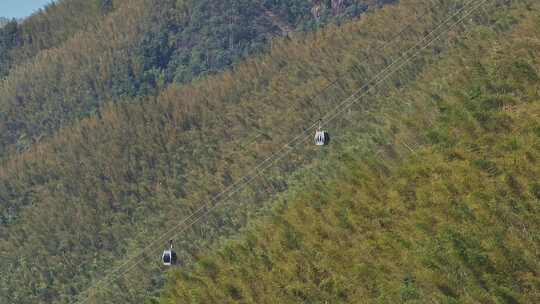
120 162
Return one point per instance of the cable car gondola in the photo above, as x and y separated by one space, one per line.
322 138
169 256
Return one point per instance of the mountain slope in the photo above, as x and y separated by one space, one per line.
107 186
46 29
454 221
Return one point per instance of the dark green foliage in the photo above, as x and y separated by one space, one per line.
535 190
105 5
50 27
9 39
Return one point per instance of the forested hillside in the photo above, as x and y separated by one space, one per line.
80 208
438 202
47 28
133 51
103 186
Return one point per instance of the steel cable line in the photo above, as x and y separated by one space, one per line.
284 151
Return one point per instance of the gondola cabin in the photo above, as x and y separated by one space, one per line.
322 138
169 256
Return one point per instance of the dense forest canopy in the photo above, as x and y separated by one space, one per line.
129 124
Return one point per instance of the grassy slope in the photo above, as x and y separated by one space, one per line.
454 222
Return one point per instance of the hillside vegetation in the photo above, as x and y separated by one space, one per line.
453 221
46 29
133 51
107 185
